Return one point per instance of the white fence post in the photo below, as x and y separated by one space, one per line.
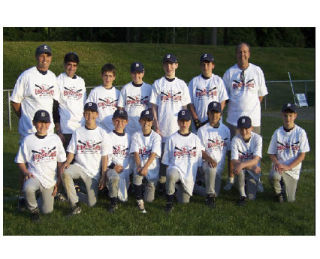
9 111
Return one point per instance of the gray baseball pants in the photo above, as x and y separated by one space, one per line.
150 187
246 181
289 182
212 180
173 177
76 172
46 199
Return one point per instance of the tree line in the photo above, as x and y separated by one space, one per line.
264 37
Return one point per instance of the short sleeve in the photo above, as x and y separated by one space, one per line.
106 147
185 95
226 80
272 149
91 97
56 95
262 84
167 151
234 149
190 87
154 98
258 146
21 155
304 146
19 89
223 94
122 98
156 145
72 147
61 154
134 144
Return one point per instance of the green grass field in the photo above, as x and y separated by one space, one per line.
261 217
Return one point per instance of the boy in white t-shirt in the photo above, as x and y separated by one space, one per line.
118 174
246 152
169 95
215 137
106 96
134 97
182 156
287 149
89 147
146 148
39 158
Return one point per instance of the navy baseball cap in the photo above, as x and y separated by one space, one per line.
120 114
206 57
90 106
44 48
214 107
289 107
184 115
41 115
147 114
136 67
244 122
169 58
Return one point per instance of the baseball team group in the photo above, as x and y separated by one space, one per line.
165 138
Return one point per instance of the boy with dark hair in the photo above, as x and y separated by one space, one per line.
106 96
287 150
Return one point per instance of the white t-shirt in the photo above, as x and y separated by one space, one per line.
244 98
288 145
184 153
120 144
35 91
41 157
134 99
204 91
216 142
170 97
89 146
72 99
244 151
107 102
145 145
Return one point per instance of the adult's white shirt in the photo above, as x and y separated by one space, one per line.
204 91
72 99
88 146
35 91
246 150
134 99
170 97
107 102
216 142
145 146
244 96
184 153
41 156
287 146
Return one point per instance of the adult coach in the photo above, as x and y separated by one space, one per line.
246 88
35 89
204 89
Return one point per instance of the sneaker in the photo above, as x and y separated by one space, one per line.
140 204
35 215
280 198
21 203
113 205
60 197
241 201
76 209
228 186
211 202
77 187
169 207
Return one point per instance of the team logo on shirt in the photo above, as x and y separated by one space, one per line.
120 150
242 84
216 143
72 93
185 152
204 92
88 146
169 96
285 147
144 152
45 154
137 100
107 102
245 156
44 90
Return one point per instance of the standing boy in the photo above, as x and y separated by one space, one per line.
89 146
106 97
118 174
39 157
146 148
182 156
134 97
169 95
287 149
204 89
215 137
246 152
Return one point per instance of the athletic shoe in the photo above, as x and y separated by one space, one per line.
35 215
21 203
113 205
211 202
60 197
228 186
241 201
169 207
76 209
280 198
140 204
